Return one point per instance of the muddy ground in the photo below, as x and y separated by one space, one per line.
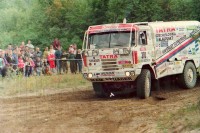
79 111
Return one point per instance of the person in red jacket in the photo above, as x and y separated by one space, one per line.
51 60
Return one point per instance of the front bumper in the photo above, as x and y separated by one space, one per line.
112 76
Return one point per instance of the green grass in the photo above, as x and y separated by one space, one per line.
187 118
38 84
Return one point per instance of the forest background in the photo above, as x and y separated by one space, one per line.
43 20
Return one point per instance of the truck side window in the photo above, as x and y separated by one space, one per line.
142 38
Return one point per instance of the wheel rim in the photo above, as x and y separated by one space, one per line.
190 75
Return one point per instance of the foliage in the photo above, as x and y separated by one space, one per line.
43 20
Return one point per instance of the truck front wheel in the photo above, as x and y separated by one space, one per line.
98 89
189 76
144 84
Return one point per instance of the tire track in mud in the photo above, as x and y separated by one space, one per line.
81 111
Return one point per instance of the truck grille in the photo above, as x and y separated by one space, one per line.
109 64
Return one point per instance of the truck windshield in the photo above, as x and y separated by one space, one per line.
110 40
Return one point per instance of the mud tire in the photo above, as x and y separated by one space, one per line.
188 78
98 89
144 84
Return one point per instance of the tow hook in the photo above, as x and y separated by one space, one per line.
111 94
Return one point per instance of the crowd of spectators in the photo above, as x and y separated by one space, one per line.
29 60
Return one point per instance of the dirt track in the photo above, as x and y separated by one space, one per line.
81 112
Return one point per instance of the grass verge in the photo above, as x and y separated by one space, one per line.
38 84
184 120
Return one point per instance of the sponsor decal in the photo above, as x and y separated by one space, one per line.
180 28
163 71
94 60
163 30
107 74
173 45
127 65
164 43
165 36
170 63
194 50
191 27
143 49
108 56
178 62
124 62
184 58
144 55
180 34
145 60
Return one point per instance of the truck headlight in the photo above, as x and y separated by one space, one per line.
132 73
127 74
90 75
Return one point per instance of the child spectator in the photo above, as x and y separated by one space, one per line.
46 68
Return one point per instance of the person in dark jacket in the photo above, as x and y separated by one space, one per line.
64 64
79 60
58 55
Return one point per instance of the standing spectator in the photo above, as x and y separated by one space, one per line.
51 49
75 52
22 46
15 58
37 53
45 53
58 55
30 45
27 67
21 64
38 66
26 52
56 44
8 57
9 47
64 58
4 63
51 59
71 58
79 60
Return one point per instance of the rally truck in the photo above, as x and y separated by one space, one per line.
128 57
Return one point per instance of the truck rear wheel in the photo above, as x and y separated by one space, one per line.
144 84
98 89
189 76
